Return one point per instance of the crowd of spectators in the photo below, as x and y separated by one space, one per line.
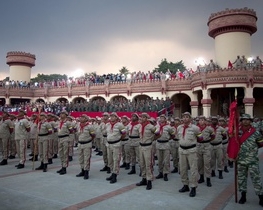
98 105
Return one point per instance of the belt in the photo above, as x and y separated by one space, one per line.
125 139
134 137
224 143
85 142
188 147
145 144
45 134
207 141
113 142
104 135
176 139
162 141
63 136
215 144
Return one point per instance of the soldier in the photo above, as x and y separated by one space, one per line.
222 123
174 145
165 132
71 137
86 136
65 128
204 149
98 136
115 133
244 62
189 134
12 145
44 132
104 142
247 160
147 134
55 136
238 62
217 148
258 63
22 128
6 128
33 137
125 145
50 119
134 137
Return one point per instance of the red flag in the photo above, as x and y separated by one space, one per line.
230 66
233 142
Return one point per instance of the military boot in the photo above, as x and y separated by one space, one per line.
143 182
108 170
50 161
55 156
159 176
105 168
149 185
40 167
208 182
133 171
45 167
225 169
231 164
70 158
260 200
127 167
86 174
34 158
175 170
81 173
213 174
114 178
59 170
165 177
185 188
201 179
123 165
220 174
3 162
193 192
64 171
109 178
243 198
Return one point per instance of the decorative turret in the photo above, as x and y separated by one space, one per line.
20 64
232 29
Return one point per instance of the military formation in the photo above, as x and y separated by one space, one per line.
196 147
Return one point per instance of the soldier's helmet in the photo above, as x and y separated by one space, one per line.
246 117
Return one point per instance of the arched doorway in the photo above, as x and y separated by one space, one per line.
2 101
14 101
181 103
62 100
118 99
79 100
40 100
97 98
257 94
141 97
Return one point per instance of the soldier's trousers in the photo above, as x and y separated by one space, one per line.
135 155
50 147
225 160
12 147
187 158
21 146
174 149
125 149
146 162
97 143
204 159
5 145
43 145
217 157
114 157
163 160
104 152
85 151
34 146
242 174
71 144
55 144
63 149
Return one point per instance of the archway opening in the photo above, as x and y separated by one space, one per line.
181 103
40 100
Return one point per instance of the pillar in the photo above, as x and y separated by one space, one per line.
249 101
194 108
206 102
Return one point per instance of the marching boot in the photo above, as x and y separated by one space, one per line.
50 161
127 167
64 171
220 174
105 168
133 171
114 179
201 180
86 174
100 153
45 167
213 174
11 157
40 167
165 177
230 163
243 198
108 170
175 170
159 176
260 200
225 169
185 188
70 158
59 170
109 178
3 162
193 192
123 165
55 156
208 182
34 158
143 182
31 154
81 173
149 185
19 166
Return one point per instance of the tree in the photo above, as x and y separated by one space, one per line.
124 70
173 67
44 77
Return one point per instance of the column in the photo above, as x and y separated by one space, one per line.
7 101
194 108
206 102
249 101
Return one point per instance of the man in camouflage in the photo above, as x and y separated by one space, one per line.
247 160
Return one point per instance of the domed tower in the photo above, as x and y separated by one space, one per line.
20 64
232 29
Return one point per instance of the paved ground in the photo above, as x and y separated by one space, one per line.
27 189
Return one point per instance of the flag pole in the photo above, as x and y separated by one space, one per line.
236 133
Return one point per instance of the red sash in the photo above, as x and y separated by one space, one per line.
246 135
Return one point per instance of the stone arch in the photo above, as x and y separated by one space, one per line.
79 100
118 98
97 98
40 100
181 103
141 97
14 101
2 101
62 99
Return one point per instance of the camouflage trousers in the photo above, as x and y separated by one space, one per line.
242 174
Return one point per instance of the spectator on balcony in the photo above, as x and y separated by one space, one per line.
211 65
258 63
244 62
238 62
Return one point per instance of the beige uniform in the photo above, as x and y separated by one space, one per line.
44 131
6 126
12 144
225 145
51 139
64 129
72 138
104 143
134 136
86 134
55 137
188 153
147 133
22 127
166 132
125 147
174 148
114 134
98 137
33 137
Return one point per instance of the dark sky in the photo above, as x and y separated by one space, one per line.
105 35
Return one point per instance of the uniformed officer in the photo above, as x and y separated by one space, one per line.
55 136
222 123
22 128
71 137
6 128
86 136
12 143
125 145
189 134
33 137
